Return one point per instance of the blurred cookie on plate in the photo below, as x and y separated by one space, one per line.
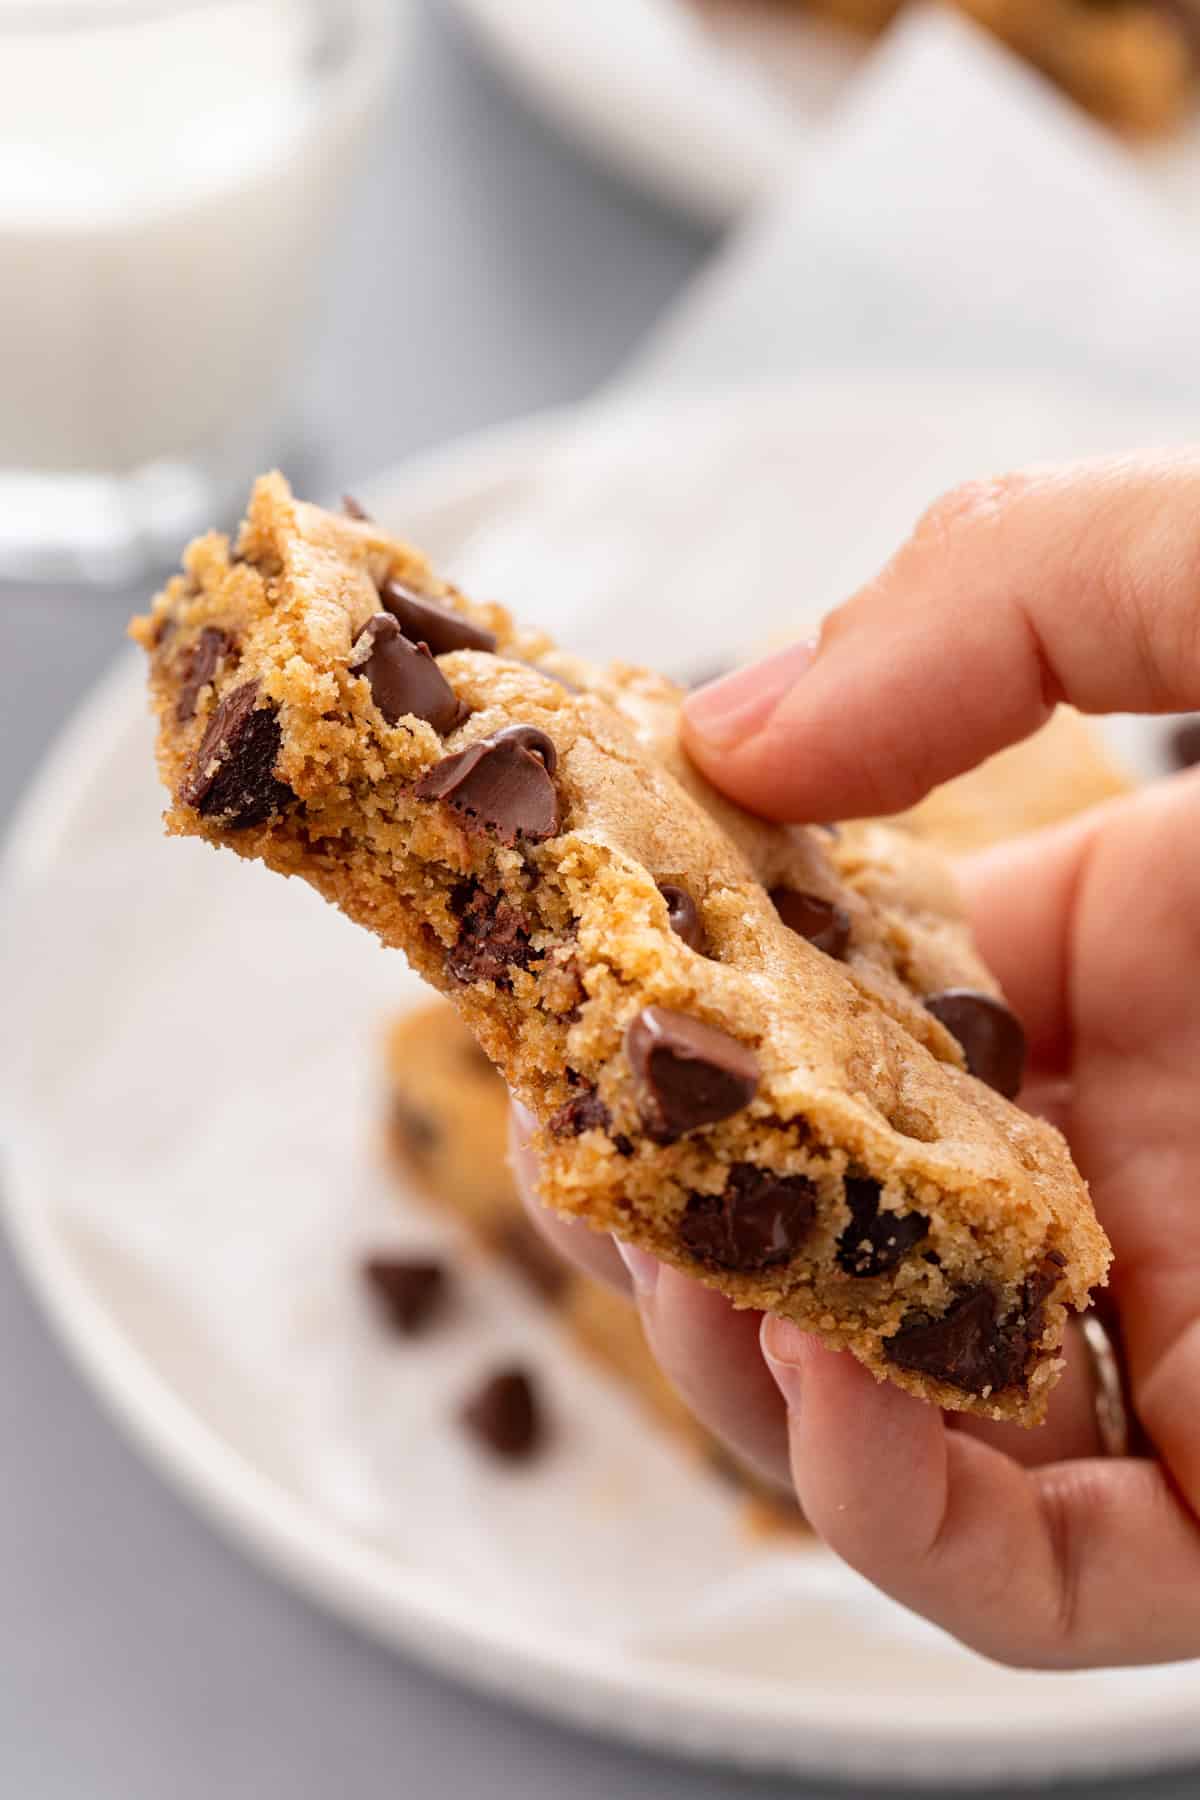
1134 64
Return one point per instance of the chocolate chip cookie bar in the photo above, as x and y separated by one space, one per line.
779 1105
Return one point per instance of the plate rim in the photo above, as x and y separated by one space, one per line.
752 1723
712 190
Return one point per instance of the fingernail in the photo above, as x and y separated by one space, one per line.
643 1268
786 1350
729 711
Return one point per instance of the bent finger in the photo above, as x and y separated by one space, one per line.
1076 1564
1011 595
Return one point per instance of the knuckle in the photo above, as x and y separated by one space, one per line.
967 510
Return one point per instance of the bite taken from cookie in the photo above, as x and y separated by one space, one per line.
769 1056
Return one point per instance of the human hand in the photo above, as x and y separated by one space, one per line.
1080 585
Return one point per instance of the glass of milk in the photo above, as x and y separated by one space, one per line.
168 173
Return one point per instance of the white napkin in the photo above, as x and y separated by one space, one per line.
958 220
960 214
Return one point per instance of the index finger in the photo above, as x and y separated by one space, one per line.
1080 584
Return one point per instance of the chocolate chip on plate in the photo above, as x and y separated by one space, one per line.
505 1415
992 1037
404 679
493 937
232 777
876 1240
687 1073
425 622
825 924
758 1220
1184 743
501 785
684 915
410 1294
967 1347
199 664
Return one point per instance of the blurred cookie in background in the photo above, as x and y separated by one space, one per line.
1133 64
1062 769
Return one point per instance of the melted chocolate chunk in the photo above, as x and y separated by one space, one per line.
964 1348
502 785
992 1039
1184 744
353 510
687 1073
404 679
824 924
875 1241
199 664
232 777
493 937
585 1111
410 1294
969 1347
758 1221
1037 1291
523 1245
505 1416
684 916
425 622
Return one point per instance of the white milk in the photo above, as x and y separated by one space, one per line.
166 177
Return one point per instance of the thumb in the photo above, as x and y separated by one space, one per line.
1010 596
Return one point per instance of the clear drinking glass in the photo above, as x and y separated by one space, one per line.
168 173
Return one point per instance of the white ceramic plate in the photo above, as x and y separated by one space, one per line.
191 1174
705 121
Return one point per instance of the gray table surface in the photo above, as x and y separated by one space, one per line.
484 271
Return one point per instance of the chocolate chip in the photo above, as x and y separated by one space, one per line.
684 916
825 924
875 1241
992 1039
501 785
410 1294
523 1245
493 937
198 665
353 510
687 1073
505 1416
758 1221
425 622
962 1348
232 777
969 1347
404 679
1184 744
1037 1291
582 1112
